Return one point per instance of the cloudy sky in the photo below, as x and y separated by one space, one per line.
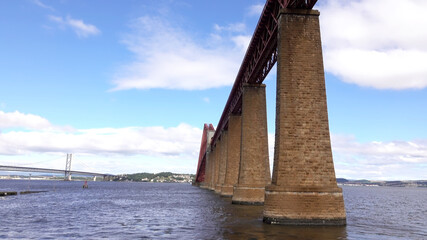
126 86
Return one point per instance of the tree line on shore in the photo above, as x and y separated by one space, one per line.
156 177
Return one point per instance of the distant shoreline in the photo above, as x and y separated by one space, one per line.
168 177
372 183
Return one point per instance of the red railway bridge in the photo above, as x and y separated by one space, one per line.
233 159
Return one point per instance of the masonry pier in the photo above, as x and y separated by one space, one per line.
254 171
233 155
217 154
303 189
222 161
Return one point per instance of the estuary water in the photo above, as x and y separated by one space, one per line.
127 210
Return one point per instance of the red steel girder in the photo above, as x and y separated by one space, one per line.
259 58
201 165
301 4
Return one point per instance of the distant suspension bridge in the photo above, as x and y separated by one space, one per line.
67 172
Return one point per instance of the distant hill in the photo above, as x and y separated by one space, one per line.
156 177
341 180
364 182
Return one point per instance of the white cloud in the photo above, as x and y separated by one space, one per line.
392 69
40 4
166 57
405 160
394 160
82 29
179 141
78 26
28 134
256 10
22 120
157 149
379 44
232 27
112 150
242 42
56 19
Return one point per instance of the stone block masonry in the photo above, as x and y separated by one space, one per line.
222 161
212 165
233 155
208 170
217 160
254 170
208 163
303 189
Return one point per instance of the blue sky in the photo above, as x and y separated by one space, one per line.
126 86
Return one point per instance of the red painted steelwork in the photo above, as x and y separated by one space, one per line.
259 58
201 166
302 4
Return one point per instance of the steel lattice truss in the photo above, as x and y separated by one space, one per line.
201 166
259 58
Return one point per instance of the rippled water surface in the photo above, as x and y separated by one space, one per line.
120 210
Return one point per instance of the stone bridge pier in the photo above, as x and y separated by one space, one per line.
254 170
303 188
233 155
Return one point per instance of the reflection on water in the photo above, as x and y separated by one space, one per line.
118 210
245 222
286 232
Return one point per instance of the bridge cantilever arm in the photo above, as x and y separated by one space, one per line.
260 56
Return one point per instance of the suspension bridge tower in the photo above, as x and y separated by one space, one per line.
67 176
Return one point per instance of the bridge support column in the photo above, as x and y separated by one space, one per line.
303 189
209 169
233 155
222 161
215 166
214 169
205 184
208 160
254 171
